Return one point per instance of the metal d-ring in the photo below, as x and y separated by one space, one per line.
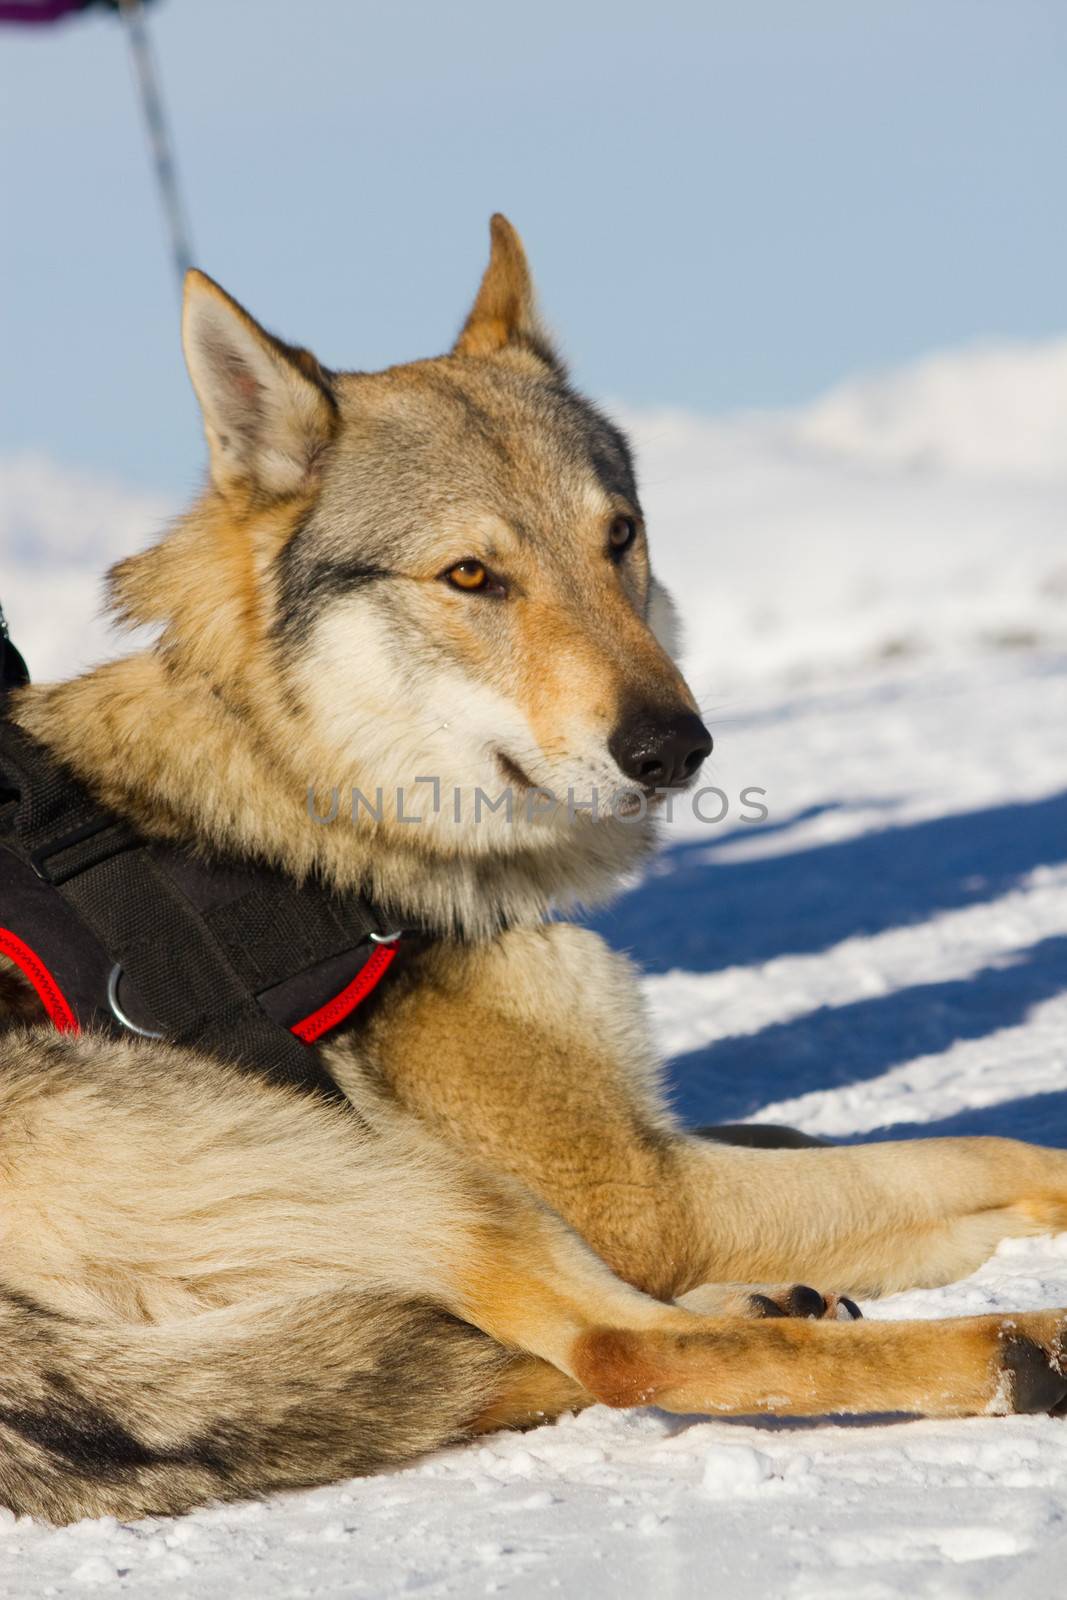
117 1011
386 938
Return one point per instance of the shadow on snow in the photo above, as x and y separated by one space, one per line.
839 1045
702 914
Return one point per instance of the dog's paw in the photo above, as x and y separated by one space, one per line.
1032 1378
798 1300
1032 1362
768 1300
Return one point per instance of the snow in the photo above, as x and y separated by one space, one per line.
875 592
912 515
69 526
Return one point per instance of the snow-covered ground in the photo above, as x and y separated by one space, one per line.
875 590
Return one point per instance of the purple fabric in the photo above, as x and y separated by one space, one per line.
37 10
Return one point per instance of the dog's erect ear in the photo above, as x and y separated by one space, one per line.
268 411
505 311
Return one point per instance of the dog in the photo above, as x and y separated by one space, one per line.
433 579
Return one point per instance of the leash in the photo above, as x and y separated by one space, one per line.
159 140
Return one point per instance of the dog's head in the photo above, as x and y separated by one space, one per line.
439 571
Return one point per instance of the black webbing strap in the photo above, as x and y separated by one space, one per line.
238 929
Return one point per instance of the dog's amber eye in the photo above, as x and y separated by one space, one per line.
621 535
468 575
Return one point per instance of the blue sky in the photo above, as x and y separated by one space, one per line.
725 204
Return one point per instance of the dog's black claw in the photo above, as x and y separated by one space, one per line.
804 1302
851 1307
763 1306
1035 1384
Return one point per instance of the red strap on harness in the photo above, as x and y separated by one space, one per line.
334 1011
51 995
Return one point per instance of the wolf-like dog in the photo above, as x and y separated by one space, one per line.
214 1286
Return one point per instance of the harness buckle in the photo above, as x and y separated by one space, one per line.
117 1012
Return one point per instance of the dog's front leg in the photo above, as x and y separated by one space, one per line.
867 1219
532 1286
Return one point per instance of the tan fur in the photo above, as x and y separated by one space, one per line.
504 313
210 1286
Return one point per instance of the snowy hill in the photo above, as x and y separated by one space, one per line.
875 591
993 412
914 514
60 530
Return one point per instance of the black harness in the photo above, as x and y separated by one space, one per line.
124 935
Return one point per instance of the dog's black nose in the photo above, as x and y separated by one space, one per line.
660 751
